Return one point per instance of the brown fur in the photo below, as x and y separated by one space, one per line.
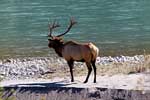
77 51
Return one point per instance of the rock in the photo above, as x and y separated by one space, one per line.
1 62
98 60
8 60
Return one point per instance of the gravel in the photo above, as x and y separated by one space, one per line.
25 68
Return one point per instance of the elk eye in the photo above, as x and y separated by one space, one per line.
49 40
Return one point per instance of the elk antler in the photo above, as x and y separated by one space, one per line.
51 27
72 22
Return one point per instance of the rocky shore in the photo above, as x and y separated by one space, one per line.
23 80
24 68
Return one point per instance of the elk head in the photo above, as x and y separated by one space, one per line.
56 41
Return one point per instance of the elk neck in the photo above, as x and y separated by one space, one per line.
58 49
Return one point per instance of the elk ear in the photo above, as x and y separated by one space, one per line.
61 40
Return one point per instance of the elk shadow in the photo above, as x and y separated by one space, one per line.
36 89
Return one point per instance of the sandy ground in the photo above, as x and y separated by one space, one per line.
130 82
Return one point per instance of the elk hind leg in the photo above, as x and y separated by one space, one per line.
94 67
89 71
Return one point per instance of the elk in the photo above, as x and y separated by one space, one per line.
73 51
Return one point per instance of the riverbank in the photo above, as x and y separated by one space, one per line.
116 87
49 67
46 78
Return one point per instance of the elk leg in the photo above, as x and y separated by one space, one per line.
89 71
94 67
70 63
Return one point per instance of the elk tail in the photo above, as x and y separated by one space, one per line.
94 51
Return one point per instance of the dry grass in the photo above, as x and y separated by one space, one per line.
125 68
3 95
111 69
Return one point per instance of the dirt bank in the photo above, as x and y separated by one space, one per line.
116 87
63 93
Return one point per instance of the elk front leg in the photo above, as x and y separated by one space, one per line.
89 71
70 63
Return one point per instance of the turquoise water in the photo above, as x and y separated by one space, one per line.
115 26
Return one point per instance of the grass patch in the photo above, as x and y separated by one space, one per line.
125 68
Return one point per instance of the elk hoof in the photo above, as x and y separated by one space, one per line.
72 80
85 81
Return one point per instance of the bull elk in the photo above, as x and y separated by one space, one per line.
72 51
